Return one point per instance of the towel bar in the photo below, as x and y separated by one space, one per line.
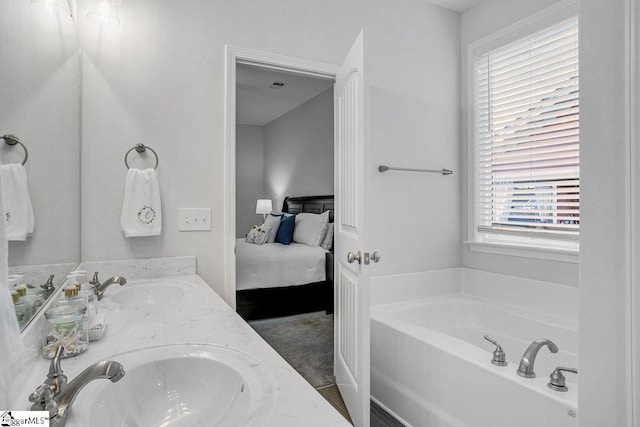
140 148
13 140
383 168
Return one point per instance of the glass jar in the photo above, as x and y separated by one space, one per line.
65 326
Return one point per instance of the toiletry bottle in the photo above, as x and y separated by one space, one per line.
17 279
80 276
71 297
86 288
11 283
20 307
28 301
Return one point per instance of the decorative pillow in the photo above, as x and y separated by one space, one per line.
327 240
285 232
272 222
258 235
310 228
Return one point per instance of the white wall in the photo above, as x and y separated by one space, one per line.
298 151
159 79
604 299
39 102
476 23
249 176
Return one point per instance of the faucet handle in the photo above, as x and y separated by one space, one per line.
49 285
557 380
43 398
95 281
41 392
498 354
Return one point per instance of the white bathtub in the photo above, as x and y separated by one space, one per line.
430 365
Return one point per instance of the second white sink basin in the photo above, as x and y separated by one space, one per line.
145 293
180 385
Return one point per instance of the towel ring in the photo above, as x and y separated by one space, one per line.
140 148
13 140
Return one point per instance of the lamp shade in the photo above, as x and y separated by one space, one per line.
263 206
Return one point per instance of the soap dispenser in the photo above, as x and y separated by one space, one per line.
71 297
28 301
20 308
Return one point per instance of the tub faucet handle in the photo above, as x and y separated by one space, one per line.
498 354
557 380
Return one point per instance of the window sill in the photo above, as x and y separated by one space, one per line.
551 254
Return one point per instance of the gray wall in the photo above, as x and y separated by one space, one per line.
159 79
249 176
298 151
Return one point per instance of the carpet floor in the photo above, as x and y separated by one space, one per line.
305 341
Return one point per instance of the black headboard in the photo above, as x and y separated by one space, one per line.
309 204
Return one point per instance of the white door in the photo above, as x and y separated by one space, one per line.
351 278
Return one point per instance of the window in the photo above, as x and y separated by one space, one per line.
527 140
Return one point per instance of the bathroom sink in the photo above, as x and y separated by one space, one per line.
180 385
146 293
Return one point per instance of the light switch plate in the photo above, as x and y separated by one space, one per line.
195 219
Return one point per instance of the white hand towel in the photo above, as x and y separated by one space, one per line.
12 354
18 212
141 212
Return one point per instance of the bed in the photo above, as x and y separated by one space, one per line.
275 280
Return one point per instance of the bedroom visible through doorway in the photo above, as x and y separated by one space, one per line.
285 160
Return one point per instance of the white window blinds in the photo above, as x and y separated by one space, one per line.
527 136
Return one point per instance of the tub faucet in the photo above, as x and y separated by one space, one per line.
58 396
529 357
101 287
498 354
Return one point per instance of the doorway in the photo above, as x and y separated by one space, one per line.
351 166
284 146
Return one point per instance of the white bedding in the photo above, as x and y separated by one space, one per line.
276 265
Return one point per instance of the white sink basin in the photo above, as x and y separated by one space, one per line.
145 293
180 385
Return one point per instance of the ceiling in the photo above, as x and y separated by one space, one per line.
455 5
258 104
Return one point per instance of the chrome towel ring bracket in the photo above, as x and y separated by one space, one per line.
140 148
13 140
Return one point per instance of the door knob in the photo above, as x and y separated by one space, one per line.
351 257
375 257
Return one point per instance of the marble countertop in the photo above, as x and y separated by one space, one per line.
199 316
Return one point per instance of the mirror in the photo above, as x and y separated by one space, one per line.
40 104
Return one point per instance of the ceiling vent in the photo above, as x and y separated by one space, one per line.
277 85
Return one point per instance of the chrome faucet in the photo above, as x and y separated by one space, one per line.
101 287
529 357
48 287
557 380
57 396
